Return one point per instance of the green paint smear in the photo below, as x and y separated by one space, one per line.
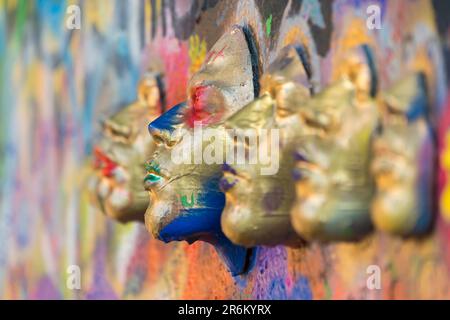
187 204
269 25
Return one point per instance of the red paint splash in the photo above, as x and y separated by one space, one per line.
202 111
103 162
198 103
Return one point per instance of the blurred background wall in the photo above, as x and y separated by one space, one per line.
56 85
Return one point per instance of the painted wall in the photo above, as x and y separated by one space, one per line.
57 85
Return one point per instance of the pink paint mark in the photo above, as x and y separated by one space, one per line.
209 56
172 56
176 73
213 55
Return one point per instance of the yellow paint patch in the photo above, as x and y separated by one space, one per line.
445 197
197 53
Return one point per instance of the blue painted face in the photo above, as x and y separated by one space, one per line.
186 202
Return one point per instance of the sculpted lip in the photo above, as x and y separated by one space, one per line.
230 178
154 176
104 163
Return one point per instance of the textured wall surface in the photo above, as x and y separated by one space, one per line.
57 84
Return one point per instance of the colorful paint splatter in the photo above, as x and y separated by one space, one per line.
57 85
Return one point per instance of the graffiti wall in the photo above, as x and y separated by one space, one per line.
59 85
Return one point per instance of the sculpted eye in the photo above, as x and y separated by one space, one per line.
246 123
318 119
117 131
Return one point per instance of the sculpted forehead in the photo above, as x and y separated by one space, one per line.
408 96
231 68
291 65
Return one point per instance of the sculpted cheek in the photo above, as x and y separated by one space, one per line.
273 199
205 104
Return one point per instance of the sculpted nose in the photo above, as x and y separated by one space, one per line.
166 129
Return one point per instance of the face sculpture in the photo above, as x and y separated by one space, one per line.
260 193
121 154
333 181
186 202
404 160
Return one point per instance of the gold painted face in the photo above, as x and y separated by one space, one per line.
259 194
186 202
333 181
404 160
121 154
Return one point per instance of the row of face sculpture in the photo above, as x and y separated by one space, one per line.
348 158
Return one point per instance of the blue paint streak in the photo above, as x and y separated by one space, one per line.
201 220
191 224
232 255
53 12
301 290
168 120
373 70
203 223
425 188
419 106
277 290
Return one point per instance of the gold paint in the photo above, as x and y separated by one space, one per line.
296 35
334 186
354 36
225 83
197 53
126 142
397 160
257 210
